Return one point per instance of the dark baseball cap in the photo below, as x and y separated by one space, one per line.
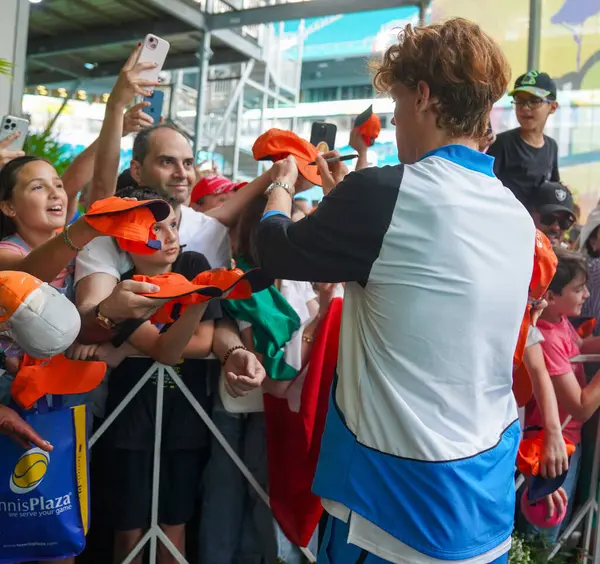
535 83
553 197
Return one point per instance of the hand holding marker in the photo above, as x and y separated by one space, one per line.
336 159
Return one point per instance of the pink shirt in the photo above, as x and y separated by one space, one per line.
58 282
561 343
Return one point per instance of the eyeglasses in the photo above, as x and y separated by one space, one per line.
564 221
532 104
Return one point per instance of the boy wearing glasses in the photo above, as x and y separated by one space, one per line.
525 157
553 210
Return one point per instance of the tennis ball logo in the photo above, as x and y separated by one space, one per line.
29 471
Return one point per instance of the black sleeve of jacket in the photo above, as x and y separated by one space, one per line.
341 239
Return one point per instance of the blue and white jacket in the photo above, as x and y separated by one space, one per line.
422 430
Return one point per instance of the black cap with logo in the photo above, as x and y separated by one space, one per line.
552 197
537 84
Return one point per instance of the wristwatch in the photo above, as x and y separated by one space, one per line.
104 321
284 185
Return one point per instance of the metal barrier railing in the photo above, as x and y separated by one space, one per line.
588 509
154 532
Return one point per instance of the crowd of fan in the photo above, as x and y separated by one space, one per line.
213 223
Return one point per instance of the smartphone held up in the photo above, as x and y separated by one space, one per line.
154 50
11 125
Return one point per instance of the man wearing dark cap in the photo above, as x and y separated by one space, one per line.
553 210
525 157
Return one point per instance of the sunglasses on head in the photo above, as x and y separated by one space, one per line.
564 221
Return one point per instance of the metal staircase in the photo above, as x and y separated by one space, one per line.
269 79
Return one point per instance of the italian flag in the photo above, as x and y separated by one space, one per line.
294 424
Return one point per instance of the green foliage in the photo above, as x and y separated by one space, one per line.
520 552
46 145
535 551
5 67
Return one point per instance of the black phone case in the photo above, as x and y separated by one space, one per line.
323 133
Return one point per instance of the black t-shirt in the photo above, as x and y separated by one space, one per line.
182 428
521 167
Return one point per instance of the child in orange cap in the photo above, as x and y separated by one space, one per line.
130 440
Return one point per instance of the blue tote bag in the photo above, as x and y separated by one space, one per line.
44 497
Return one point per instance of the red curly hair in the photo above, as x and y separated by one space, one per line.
465 69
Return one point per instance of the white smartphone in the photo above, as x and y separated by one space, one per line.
154 50
10 125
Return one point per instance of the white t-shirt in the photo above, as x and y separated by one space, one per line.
298 294
197 231
534 336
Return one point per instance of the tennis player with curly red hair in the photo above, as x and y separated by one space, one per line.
417 459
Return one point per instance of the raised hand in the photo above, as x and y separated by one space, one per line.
285 171
331 173
129 83
7 155
135 119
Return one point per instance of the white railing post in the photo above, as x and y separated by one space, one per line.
155 534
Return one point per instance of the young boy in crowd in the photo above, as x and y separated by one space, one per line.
130 439
525 157
566 296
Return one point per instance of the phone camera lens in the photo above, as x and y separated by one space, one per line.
13 125
7 126
9 121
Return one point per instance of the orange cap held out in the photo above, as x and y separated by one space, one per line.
277 144
544 268
56 375
369 126
129 222
209 284
531 450
39 319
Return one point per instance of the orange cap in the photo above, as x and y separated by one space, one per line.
173 285
544 268
209 284
586 329
240 285
42 321
369 126
129 222
57 375
179 290
277 144
530 453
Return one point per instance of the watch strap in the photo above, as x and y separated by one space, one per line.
103 320
284 185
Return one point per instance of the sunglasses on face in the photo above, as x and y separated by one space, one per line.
564 221
532 104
